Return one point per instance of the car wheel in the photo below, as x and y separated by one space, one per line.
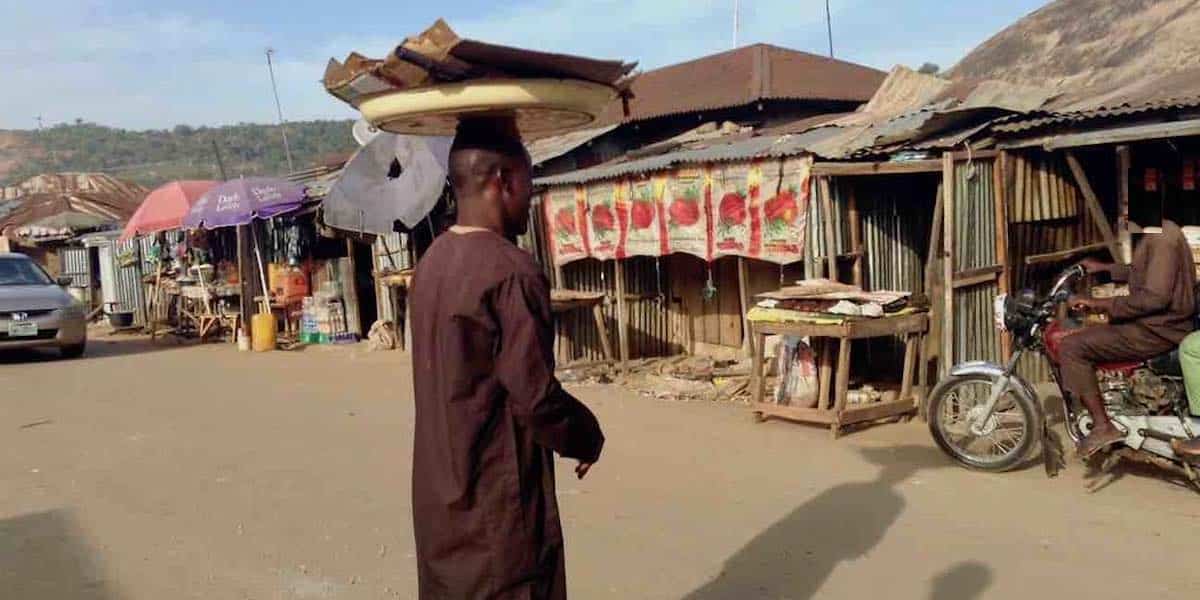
73 351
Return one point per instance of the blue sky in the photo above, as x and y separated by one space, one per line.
156 63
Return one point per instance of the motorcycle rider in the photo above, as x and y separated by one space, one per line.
1152 320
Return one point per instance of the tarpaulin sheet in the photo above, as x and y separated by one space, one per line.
393 178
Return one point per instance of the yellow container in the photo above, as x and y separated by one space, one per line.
262 332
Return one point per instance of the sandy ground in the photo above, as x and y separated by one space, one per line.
159 472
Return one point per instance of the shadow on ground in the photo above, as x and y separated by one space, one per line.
99 347
795 556
43 556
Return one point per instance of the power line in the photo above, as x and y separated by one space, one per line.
829 27
279 108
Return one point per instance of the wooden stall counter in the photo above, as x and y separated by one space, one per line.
832 408
563 301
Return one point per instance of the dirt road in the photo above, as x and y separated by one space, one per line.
145 472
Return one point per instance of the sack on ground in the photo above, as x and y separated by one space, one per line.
382 336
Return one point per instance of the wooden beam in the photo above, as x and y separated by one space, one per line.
1000 171
1124 238
828 169
744 296
1063 255
622 313
827 220
935 242
1118 135
1093 205
855 237
977 276
975 154
946 359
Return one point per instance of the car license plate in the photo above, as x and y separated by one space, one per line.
22 329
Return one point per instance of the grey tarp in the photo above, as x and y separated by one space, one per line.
373 193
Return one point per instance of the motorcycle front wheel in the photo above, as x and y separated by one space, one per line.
1000 442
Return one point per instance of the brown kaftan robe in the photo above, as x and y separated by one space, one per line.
1152 320
489 416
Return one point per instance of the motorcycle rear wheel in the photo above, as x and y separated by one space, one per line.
954 409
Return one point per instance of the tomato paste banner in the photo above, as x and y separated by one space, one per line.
757 210
736 218
604 225
647 232
688 197
564 221
785 210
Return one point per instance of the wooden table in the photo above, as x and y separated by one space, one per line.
562 301
398 282
833 411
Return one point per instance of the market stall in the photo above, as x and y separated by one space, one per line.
831 316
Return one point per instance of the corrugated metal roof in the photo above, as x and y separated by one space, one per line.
742 77
774 146
548 148
1019 123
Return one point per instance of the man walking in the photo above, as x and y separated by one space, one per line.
489 412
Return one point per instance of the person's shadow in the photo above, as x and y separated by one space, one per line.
793 558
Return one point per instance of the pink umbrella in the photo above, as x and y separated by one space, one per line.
164 208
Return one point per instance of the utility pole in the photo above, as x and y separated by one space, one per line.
287 150
829 27
736 23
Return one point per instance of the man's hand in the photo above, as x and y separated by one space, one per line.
582 468
1093 266
1088 304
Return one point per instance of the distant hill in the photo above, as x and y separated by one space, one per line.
155 156
1098 52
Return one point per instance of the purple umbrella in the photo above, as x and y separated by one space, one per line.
240 201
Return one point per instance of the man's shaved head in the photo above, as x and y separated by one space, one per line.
490 173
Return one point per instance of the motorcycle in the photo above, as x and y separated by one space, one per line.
987 417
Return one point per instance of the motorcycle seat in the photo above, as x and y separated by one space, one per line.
1120 367
1167 364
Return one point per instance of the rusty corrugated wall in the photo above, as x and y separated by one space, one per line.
975 231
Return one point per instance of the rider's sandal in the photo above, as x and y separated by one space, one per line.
1086 450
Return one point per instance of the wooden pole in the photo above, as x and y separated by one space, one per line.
622 313
245 274
948 184
827 221
1000 191
744 296
1093 205
856 237
1125 239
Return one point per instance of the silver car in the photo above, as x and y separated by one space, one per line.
36 311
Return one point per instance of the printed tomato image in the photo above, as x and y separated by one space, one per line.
732 209
564 221
782 208
603 218
685 211
641 214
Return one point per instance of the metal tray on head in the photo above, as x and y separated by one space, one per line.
540 106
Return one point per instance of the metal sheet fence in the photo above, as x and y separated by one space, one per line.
975 236
128 260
